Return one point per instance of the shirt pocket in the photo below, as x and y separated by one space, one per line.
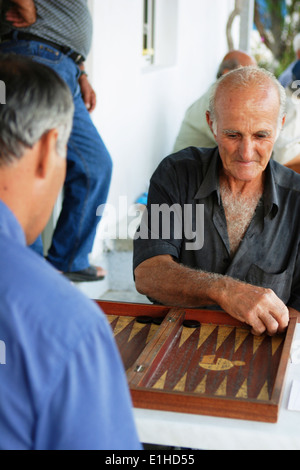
280 283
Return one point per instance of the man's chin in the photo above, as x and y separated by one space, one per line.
246 171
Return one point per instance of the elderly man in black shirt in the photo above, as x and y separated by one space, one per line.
240 206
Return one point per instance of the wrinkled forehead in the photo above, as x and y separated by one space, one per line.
262 97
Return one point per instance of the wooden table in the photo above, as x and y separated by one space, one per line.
186 375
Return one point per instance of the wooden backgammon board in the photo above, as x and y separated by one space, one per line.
199 361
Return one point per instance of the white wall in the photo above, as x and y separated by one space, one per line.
139 111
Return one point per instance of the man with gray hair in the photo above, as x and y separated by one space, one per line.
62 384
249 262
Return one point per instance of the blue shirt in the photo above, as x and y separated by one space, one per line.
287 76
63 385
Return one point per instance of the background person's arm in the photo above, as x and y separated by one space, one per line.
22 13
87 91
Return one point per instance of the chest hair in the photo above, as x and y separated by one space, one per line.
239 211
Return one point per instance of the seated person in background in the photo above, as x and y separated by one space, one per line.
62 386
246 255
287 75
194 129
287 147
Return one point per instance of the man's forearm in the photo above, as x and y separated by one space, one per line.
25 4
170 283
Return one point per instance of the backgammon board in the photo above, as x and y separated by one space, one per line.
199 361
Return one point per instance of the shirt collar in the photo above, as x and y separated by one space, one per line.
271 200
10 226
210 184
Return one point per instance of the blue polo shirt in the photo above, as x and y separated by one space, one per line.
62 383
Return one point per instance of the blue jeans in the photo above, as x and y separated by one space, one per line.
89 167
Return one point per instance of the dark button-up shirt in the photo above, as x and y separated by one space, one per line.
188 183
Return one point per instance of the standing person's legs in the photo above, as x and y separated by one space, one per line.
86 187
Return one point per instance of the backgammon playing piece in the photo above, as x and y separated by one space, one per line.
144 319
191 323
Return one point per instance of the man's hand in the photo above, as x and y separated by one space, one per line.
163 279
258 307
22 13
88 94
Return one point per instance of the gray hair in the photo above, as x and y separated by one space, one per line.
244 77
37 100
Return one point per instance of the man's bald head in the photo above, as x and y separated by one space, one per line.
233 60
248 77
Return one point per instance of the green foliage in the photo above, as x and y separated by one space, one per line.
278 21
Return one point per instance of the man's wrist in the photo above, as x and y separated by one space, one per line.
83 73
218 288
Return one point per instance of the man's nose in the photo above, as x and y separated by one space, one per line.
246 150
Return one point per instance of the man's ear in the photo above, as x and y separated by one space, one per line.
279 129
46 149
210 122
